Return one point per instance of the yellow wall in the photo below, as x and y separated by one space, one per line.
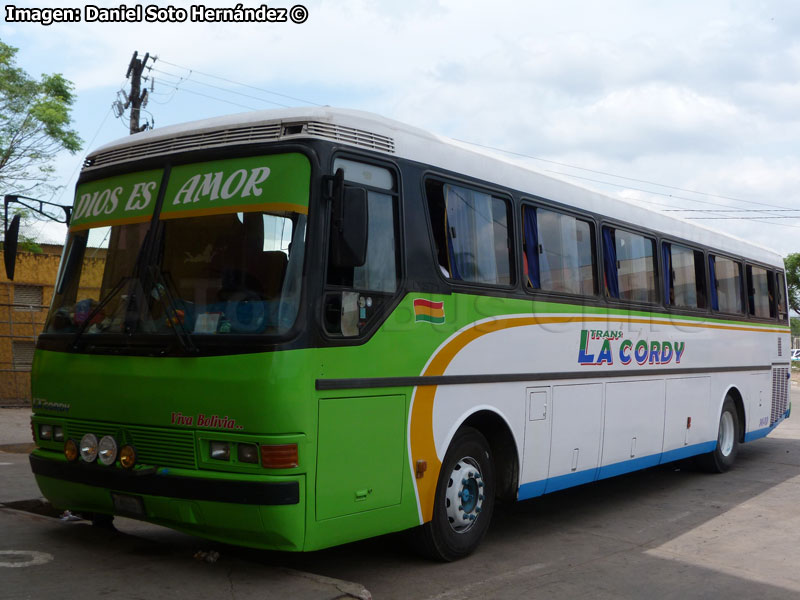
39 270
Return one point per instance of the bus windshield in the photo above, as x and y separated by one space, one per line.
229 273
223 255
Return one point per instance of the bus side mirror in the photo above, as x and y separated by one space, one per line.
10 247
349 220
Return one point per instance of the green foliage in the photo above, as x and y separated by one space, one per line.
792 264
34 126
795 323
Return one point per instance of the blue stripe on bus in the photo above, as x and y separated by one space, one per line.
760 433
687 451
562 482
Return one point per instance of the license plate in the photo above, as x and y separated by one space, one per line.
128 505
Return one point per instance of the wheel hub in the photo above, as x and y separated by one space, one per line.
726 434
464 498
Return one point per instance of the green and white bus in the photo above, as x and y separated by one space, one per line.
294 329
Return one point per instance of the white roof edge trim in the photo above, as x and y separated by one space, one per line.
444 153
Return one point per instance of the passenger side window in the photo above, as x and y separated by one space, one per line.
379 271
356 296
684 276
726 285
558 252
760 293
781 296
471 234
629 265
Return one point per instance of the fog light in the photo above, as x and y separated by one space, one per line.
247 453
283 456
58 433
88 447
220 450
46 432
71 450
127 456
107 450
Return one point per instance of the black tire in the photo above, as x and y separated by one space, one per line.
102 521
724 454
456 530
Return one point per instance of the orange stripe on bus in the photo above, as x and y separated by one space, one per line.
423 446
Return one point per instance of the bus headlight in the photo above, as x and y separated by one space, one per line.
58 433
107 450
247 453
220 450
127 456
88 447
45 431
71 450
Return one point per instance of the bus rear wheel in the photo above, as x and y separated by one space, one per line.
464 499
723 456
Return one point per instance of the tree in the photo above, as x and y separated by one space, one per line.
792 264
34 126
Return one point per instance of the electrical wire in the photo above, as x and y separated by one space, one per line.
627 187
252 87
80 162
733 210
215 98
664 185
211 85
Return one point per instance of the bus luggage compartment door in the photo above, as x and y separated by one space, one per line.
360 454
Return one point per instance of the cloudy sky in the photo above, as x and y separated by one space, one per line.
680 104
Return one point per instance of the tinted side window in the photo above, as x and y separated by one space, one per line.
471 233
558 252
684 276
781 296
356 296
630 265
760 292
726 285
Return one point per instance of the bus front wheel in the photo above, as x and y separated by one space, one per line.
723 456
464 499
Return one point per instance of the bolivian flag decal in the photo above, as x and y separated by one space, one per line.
430 312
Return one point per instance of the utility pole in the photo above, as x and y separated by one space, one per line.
137 98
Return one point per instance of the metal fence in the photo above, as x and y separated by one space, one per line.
20 325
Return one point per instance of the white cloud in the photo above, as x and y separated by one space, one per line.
697 95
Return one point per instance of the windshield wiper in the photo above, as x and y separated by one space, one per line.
96 310
163 291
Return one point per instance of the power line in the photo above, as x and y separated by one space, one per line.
733 210
627 187
664 185
752 219
186 79
80 161
252 87
757 220
739 218
215 98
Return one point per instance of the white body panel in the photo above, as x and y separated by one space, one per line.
609 420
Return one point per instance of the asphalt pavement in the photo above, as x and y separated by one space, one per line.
668 532
46 554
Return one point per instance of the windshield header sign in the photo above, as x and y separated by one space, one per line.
116 200
277 183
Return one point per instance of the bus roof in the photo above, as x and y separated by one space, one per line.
369 131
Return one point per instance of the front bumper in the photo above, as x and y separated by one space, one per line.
158 482
259 512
